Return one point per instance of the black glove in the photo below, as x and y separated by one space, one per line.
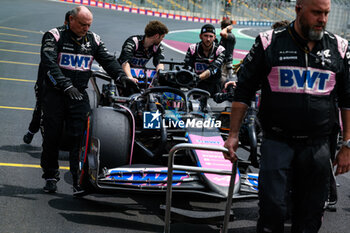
74 93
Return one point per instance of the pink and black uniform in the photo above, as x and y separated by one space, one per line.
65 62
137 56
300 94
196 59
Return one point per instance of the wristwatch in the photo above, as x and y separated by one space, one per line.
346 143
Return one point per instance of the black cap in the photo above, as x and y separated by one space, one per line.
208 28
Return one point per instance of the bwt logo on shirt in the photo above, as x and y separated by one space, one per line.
301 80
151 120
75 61
140 62
200 67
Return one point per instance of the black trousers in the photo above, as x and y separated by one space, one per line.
34 125
293 182
60 111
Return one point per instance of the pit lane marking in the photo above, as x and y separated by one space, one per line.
26 165
19 63
236 31
14 35
18 51
16 42
17 108
18 29
172 48
19 80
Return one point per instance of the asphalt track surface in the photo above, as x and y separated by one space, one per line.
23 205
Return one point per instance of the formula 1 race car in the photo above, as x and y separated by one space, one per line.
128 138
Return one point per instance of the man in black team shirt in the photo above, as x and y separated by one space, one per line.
303 73
34 125
206 58
137 50
66 58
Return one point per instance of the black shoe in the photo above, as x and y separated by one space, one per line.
50 186
78 191
28 137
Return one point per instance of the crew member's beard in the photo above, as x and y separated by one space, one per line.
210 45
310 33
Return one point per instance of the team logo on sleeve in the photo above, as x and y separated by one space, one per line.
301 80
75 61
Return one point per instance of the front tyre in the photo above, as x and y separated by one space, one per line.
112 129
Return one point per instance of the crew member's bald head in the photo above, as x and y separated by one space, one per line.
80 20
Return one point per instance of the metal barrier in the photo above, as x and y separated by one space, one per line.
172 167
243 12
339 20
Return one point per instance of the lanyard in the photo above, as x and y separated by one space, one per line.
305 49
77 42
